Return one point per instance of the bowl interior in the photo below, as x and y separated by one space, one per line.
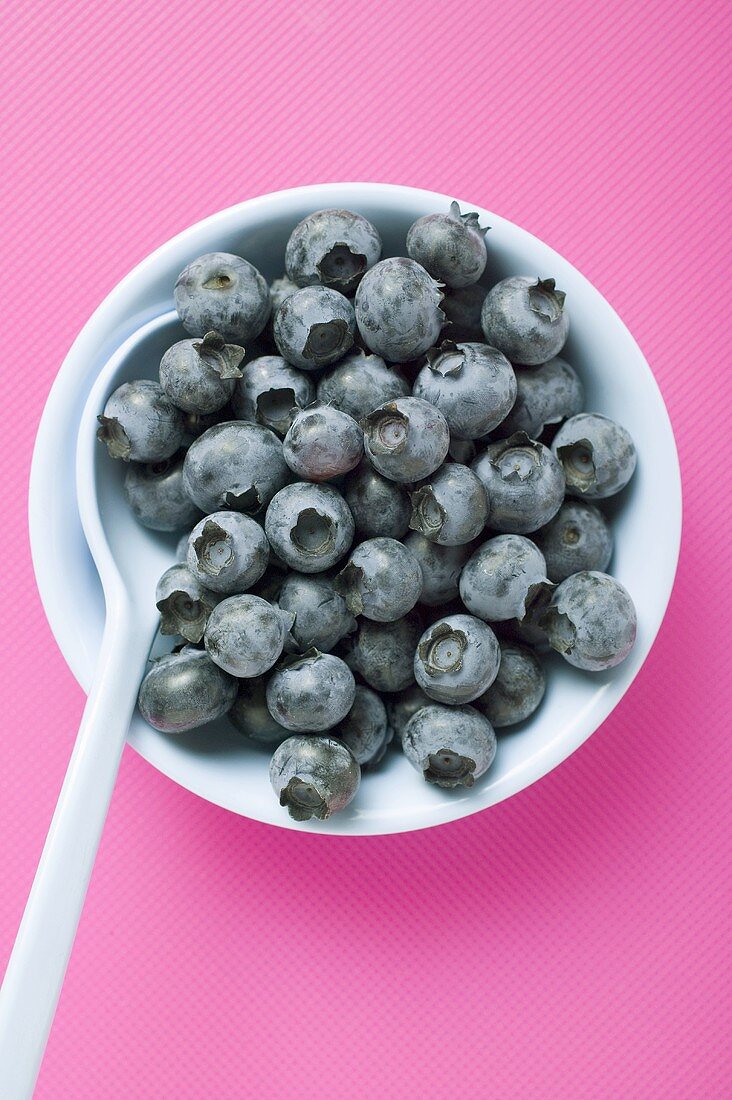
215 762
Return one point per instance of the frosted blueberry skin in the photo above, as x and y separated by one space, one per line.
225 293
309 526
577 539
322 443
451 247
249 714
245 635
382 653
199 375
517 690
545 395
401 707
311 693
140 423
382 580
462 309
406 440
378 506
314 776
504 578
365 729
154 491
279 289
333 248
441 567
314 327
450 746
184 603
270 392
235 465
597 455
398 309
457 659
451 508
525 318
524 484
360 383
321 615
473 386
227 552
185 690
591 621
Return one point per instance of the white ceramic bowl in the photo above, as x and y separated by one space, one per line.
216 764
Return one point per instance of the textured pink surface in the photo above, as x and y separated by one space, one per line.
570 942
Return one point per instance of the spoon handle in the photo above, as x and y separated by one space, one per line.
39 958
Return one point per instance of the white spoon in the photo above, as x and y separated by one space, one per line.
129 561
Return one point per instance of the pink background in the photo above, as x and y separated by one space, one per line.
570 942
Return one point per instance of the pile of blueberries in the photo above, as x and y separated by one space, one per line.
361 450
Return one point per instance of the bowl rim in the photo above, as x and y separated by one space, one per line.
95 333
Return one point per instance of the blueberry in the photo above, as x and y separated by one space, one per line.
578 538
360 383
406 440
184 603
503 578
451 247
270 583
597 455
365 729
379 506
382 652
245 635
526 631
155 493
457 659
199 375
270 392
227 552
314 327
398 309
464 451
195 424
450 746
250 716
591 621
524 484
309 526
546 395
235 465
185 690
322 443
517 690
451 508
473 386
314 776
321 615
311 693
225 293
280 289
401 707
525 319
441 568
333 248
140 423
462 308
381 581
